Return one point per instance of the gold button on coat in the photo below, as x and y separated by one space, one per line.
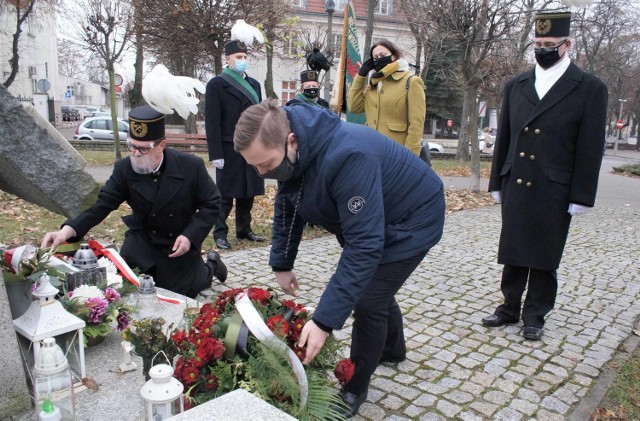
519 181
521 154
537 131
526 129
528 183
532 157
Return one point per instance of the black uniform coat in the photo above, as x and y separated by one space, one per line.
223 105
184 201
547 154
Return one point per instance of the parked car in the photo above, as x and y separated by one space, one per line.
99 128
434 147
91 111
70 114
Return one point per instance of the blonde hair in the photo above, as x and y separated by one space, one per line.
267 121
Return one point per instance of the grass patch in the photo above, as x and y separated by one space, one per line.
622 401
629 169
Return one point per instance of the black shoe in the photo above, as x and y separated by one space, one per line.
222 243
219 269
532 333
391 359
250 236
495 320
352 403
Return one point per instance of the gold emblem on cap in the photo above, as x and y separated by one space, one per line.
313 75
543 26
242 45
139 129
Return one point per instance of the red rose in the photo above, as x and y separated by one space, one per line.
344 371
210 349
278 325
211 382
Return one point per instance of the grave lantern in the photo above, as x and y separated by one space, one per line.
52 384
162 394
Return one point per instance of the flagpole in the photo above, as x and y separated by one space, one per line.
343 56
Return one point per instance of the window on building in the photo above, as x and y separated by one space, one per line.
383 7
298 3
288 91
291 45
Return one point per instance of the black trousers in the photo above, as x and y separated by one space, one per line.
187 274
540 299
243 216
377 322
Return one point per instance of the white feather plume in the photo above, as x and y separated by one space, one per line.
165 92
577 3
246 33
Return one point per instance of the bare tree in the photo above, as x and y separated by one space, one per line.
72 59
23 9
106 29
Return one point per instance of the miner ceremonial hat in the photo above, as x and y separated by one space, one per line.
553 24
146 124
235 46
309 76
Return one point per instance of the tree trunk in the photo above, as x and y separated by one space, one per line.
114 111
15 56
268 81
135 94
368 33
472 106
462 152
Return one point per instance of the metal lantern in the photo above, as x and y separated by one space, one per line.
47 318
162 394
89 271
52 384
147 298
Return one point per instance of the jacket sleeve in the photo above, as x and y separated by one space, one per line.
286 234
415 115
111 196
355 99
207 204
213 118
356 189
589 147
501 146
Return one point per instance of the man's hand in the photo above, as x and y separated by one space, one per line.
57 237
288 282
575 209
181 246
218 163
497 196
366 67
314 338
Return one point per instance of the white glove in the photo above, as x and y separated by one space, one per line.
496 196
218 163
575 209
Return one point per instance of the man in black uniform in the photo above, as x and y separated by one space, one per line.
309 90
174 204
545 170
228 95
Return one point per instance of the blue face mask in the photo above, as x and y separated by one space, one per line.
240 66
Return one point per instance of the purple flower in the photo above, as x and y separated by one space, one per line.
123 320
111 295
98 307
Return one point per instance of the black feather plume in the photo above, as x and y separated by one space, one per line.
317 61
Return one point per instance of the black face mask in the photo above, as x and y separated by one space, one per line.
282 172
310 92
548 56
380 63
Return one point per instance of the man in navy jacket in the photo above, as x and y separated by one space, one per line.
385 206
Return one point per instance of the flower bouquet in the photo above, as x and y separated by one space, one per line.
218 355
103 310
148 338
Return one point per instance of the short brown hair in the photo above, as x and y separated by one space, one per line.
395 51
267 121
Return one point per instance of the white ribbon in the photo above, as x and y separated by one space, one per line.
260 330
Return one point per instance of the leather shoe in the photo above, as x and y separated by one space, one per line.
391 359
532 333
250 236
495 320
222 243
219 268
351 403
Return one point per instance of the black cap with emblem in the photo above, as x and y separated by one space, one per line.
309 76
235 46
552 24
146 124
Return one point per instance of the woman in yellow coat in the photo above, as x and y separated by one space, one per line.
393 101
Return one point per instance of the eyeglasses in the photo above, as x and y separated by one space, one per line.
142 149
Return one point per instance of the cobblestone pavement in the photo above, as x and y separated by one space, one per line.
458 369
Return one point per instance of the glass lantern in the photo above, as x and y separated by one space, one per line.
162 394
52 384
147 298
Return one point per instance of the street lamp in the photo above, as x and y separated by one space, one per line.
329 7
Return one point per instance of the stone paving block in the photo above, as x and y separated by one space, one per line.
459 397
458 372
448 409
514 376
554 404
431 416
506 386
425 400
446 356
485 408
587 369
528 395
497 397
523 406
473 388
392 402
508 414
557 370
371 412
469 416
413 411
483 379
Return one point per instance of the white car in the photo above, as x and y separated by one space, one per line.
433 147
99 128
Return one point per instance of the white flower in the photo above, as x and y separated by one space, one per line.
103 262
114 280
84 292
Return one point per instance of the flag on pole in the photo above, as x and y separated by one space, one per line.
350 61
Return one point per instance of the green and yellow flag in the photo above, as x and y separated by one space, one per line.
350 62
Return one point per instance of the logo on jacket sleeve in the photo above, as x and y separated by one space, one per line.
356 203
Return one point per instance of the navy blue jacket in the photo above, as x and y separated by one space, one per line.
380 200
